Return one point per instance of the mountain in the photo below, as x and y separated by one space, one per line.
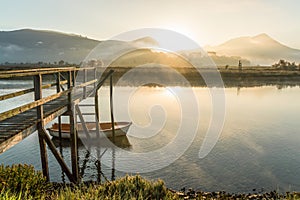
28 45
260 49
32 46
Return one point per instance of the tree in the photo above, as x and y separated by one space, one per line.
61 62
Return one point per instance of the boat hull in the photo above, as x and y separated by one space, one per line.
121 129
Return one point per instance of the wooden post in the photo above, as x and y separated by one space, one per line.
58 157
74 77
111 107
40 125
97 107
59 117
97 113
84 80
73 132
95 76
113 156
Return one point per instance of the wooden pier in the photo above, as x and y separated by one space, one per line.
19 122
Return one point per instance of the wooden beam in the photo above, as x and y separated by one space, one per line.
34 72
18 136
40 117
26 91
86 83
37 71
57 155
112 107
73 132
58 91
85 129
84 80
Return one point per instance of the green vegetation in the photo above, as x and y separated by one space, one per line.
23 182
129 187
285 65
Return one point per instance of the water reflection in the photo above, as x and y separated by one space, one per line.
86 158
258 147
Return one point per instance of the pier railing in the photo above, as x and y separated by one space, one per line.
41 111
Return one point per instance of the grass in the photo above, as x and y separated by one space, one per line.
23 182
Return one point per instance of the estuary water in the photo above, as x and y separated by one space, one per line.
258 147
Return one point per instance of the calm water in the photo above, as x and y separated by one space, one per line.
258 147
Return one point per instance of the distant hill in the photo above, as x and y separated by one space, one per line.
28 45
32 46
260 49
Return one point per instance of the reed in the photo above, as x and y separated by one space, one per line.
23 182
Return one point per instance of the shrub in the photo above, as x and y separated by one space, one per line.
128 187
22 180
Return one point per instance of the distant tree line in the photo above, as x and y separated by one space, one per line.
285 65
40 64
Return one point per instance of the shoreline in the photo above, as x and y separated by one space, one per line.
21 181
202 77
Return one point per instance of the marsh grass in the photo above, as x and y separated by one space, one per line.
20 182
128 187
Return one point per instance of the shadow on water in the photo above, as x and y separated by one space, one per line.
87 160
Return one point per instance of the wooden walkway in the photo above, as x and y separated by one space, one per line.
19 122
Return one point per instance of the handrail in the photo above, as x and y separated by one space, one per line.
26 91
33 72
39 117
21 109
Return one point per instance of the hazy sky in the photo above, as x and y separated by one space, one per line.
205 21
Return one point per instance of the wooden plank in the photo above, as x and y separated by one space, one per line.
21 109
26 91
55 114
37 70
34 72
19 135
83 85
16 138
7 132
5 136
88 114
86 105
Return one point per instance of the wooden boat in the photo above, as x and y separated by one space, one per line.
121 129
121 142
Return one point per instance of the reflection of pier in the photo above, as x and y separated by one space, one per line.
88 158
19 122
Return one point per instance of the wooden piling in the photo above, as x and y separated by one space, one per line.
58 91
73 132
40 125
112 108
